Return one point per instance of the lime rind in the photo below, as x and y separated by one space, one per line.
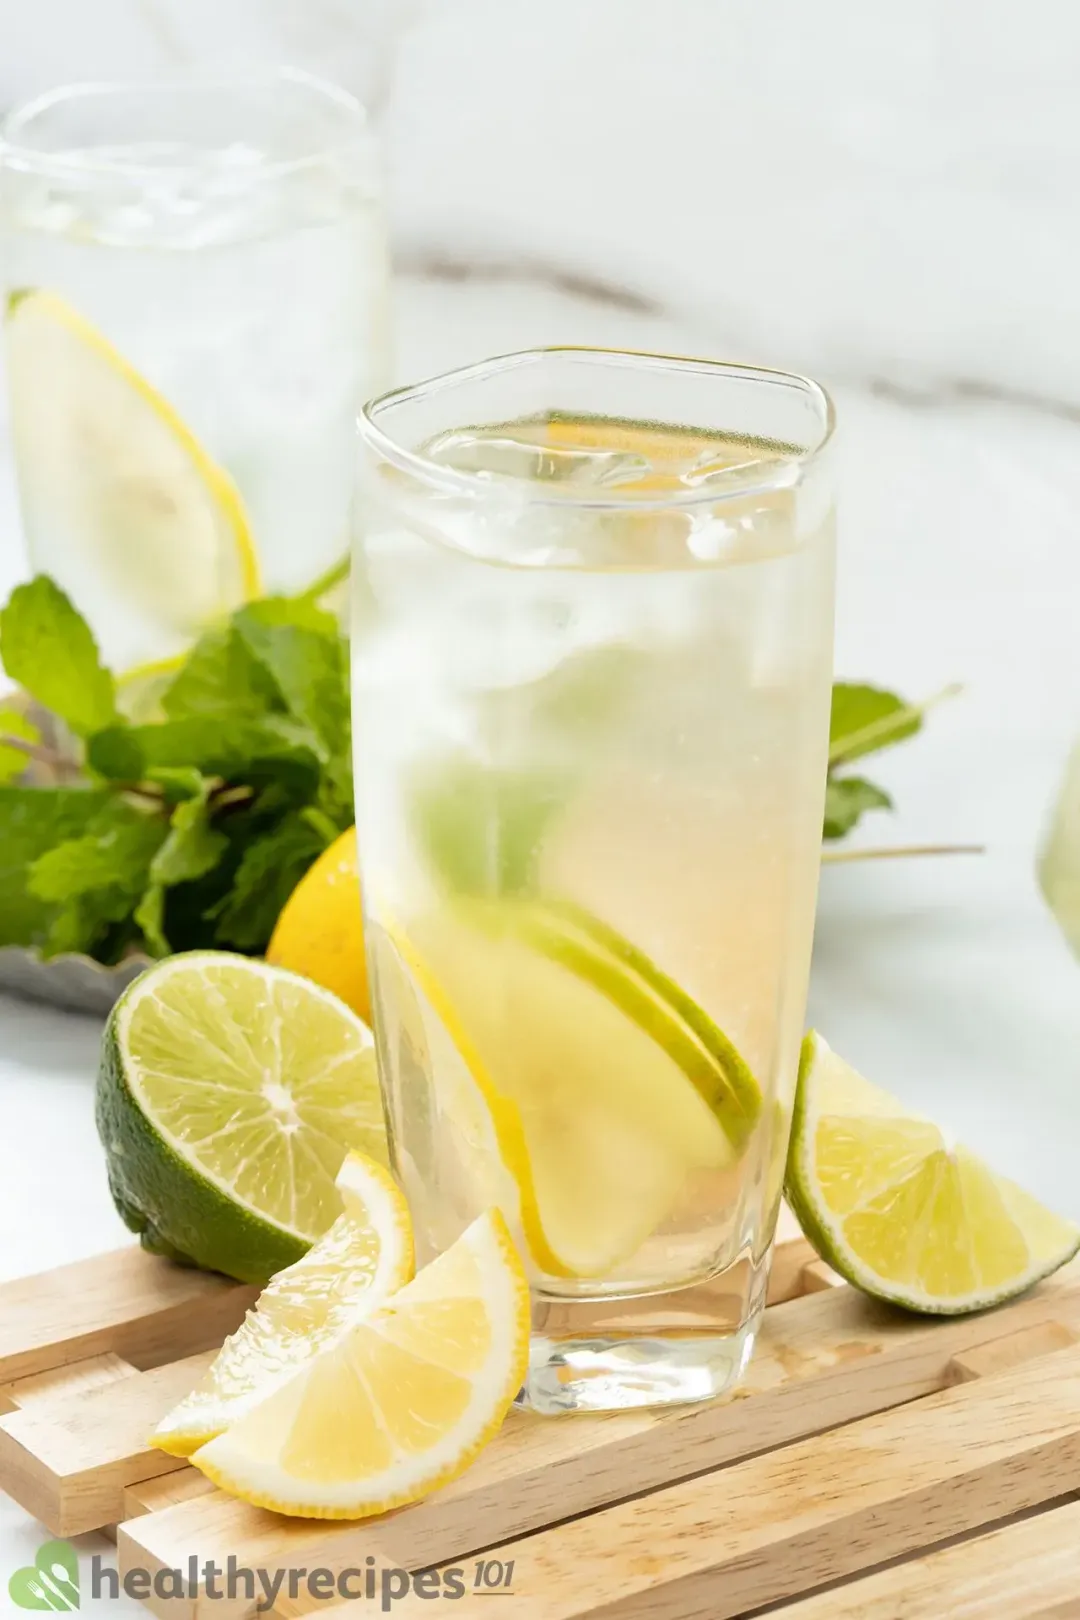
826 1232
660 1005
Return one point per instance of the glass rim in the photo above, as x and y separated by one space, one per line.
22 154
782 471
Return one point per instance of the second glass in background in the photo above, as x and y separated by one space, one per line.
197 307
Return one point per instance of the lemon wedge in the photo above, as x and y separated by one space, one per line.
901 1211
366 1255
120 500
401 1403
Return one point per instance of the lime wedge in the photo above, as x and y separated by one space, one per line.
150 530
228 1095
893 1205
559 1054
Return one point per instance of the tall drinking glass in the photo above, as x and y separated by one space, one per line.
592 638
196 279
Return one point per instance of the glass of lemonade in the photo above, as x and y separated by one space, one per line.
592 644
196 282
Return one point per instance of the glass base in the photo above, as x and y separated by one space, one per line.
657 1350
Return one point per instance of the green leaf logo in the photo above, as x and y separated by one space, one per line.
50 1582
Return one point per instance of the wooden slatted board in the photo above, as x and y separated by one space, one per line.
873 1466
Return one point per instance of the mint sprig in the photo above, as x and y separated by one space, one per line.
186 831
864 720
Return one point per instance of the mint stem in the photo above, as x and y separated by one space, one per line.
888 724
898 852
326 582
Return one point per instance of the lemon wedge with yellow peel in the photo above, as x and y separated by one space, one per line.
398 1405
901 1211
464 1144
365 1256
567 1084
119 498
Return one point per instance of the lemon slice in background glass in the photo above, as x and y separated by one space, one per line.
228 1095
120 501
899 1209
366 1255
401 1403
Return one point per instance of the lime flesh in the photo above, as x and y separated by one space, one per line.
229 1092
893 1205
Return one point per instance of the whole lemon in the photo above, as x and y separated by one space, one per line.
320 932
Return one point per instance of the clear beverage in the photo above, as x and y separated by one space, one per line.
592 664
216 263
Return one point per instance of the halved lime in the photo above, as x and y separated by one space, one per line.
228 1095
899 1209
152 530
602 1100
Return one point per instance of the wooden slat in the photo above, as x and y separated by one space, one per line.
152 1495
781 1524
817 1276
999 1355
131 1303
821 1361
1026 1571
79 1376
68 1459
791 1254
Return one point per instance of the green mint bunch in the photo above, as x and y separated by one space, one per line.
190 830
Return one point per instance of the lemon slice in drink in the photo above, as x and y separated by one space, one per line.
228 1095
366 1255
151 530
893 1205
398 1405
601 1099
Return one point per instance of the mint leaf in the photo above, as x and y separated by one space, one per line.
302 651
220 677
272 866
866 718
94 880
191 849
481 829
846 798
32 820
47 647
13 761
238 749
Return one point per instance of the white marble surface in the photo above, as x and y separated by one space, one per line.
885 198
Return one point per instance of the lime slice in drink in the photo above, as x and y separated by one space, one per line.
151 529
602 1097
893 1205
228 1095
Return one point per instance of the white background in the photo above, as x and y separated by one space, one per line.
883 195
